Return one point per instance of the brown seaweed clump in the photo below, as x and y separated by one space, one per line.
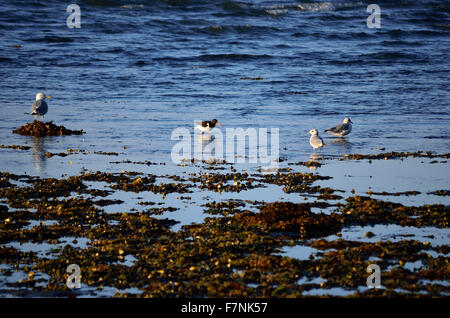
230 182
224 208
41 129
298 182
15 147
291 217
42 189
364 210
394 155
407 193
441 192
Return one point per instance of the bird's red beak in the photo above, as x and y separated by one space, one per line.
218 124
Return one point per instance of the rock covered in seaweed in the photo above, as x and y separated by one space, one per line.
41 129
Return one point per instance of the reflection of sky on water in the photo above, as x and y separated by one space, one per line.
394 233
38 151
43 249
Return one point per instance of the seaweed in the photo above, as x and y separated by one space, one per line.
41 129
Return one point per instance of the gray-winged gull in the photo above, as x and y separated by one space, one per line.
39 107
315 141
341 130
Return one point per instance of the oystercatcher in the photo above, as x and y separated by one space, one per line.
206 126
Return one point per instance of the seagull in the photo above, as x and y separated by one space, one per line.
39 107
341 130
206 126
315 141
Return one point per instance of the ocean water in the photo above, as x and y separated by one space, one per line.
135 70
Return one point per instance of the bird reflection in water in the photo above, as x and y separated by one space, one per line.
341 142
315 161
208 146
38 151
205 139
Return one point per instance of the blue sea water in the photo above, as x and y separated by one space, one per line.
136 70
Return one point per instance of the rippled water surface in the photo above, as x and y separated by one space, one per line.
135 70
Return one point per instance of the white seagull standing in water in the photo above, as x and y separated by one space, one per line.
39 107
315 141
341 130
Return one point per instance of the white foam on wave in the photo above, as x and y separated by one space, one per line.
279 9
326 6
132 6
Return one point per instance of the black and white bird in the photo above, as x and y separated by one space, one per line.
206 126
341 130
39 107
315 141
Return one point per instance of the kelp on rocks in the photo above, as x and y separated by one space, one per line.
237 253
41 129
